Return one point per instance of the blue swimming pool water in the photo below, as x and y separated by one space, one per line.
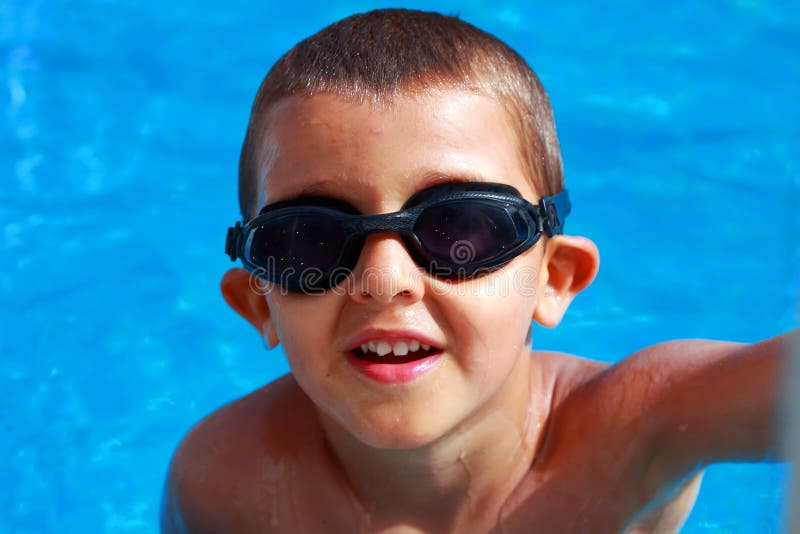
118 150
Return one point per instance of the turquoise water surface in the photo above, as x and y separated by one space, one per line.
122 122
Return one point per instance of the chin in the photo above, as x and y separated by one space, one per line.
402 432
402 421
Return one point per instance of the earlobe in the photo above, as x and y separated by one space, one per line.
269 334
241 295
569 266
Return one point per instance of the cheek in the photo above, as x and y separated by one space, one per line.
304 326
492 314
507 312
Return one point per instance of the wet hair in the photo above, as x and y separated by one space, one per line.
375 56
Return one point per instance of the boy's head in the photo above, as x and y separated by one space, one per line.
363 120
376 56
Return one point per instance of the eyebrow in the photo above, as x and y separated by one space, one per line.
314 189
319 188
438 178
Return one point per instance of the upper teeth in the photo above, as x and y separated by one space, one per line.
399 348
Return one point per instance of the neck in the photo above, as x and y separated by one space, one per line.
465 475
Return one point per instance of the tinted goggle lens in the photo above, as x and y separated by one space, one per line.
463 232
298 242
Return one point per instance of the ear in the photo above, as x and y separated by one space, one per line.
245 299
570 264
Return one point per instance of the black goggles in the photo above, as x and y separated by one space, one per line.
456 230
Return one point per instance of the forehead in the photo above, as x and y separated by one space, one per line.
377 155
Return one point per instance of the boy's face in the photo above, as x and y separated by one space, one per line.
375 158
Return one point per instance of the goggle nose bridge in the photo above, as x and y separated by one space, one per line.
398 222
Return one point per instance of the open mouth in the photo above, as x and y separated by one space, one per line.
396 352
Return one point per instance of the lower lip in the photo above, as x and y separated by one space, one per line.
394 373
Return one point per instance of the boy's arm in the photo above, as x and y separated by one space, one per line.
713 402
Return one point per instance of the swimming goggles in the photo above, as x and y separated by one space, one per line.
456 230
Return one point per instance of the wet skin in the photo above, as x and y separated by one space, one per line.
494 436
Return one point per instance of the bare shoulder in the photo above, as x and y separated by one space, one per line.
604 404
568 372
233 451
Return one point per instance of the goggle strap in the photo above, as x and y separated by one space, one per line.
554 211
232 241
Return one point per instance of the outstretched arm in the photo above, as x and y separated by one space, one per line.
714 402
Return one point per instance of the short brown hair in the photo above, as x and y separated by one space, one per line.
376 55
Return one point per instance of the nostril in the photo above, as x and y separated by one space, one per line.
383 274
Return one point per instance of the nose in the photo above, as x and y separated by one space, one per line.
386 273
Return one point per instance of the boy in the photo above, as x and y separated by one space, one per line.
403 205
